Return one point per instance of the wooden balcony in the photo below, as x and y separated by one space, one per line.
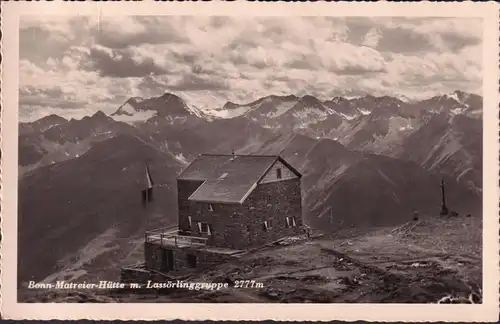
171 236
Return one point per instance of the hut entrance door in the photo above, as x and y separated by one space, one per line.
168 260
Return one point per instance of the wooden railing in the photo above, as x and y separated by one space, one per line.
169 236
167 229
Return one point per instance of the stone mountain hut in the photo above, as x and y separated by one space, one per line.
227 204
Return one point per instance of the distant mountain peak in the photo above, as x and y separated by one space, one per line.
403 98
136 99
460 96
41 125
274 97
230 105
387 97
168 106
168 95
369 96
97 116
459 92
53 117
310 101
309 98
128 108
100 114
337 100
289 97
458 99
455 95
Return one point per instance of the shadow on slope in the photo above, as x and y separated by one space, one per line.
381 191
64 206
449 145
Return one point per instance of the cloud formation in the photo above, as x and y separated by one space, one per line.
76 65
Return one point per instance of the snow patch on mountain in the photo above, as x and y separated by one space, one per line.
137 117
400 123
176 119
277 108
228 113
457 111
405 128
126 109
281 109
453 96
364 112
403 98
310 115
348 117
459 97
398 129
443 150
193 110
138 99
464 172
475 113
181 158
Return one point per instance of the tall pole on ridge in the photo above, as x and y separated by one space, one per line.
444 208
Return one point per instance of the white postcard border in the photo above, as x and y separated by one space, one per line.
488 311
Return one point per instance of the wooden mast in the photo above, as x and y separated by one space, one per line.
444 208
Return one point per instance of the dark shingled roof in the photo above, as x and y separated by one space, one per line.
228 180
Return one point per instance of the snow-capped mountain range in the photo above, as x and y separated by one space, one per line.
275 111
138 110
369 123
383 125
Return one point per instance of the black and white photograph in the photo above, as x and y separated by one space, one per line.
294 159
211 159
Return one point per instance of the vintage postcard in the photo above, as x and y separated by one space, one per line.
246 160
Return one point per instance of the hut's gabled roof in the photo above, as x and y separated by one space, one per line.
229 178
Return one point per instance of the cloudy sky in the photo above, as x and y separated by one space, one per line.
74 66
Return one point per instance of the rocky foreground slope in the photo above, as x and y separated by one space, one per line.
422 261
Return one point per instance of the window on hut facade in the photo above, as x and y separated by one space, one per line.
267 225
204 228
278 173
290 222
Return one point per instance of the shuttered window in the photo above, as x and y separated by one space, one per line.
267 225
204 228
